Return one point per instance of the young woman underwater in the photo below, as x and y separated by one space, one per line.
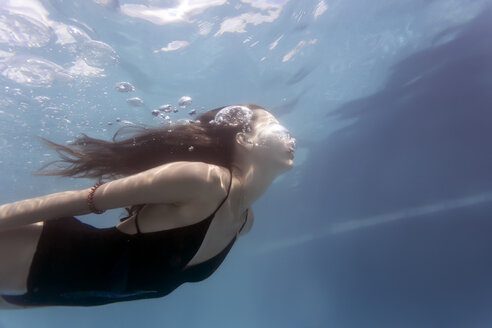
189 188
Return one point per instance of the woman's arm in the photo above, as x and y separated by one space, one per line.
174 183
37 209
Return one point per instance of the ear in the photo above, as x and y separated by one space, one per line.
244 141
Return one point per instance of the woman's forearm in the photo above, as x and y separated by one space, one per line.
67 203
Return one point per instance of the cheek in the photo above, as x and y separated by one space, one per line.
266 145
271 141
269 148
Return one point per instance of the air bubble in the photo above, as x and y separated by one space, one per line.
165 108
124 87
135 101
184 101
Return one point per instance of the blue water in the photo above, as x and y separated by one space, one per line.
385 219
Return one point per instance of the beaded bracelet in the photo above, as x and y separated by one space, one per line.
90 199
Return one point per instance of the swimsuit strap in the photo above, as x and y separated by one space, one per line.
228 190
136 223
211 215
244 223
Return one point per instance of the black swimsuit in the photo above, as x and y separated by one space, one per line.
76 264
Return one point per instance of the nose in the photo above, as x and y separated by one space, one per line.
293 143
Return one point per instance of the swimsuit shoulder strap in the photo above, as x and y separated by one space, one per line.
211 215
228 191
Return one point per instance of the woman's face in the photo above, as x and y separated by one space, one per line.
272 142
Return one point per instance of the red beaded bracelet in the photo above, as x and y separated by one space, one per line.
90 199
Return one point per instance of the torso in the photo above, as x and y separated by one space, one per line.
224 227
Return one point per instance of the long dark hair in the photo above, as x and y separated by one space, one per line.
136 149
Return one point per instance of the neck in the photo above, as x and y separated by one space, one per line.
253 180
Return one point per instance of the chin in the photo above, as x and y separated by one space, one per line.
287 166
278 164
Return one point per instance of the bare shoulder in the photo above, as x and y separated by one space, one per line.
199 176
196 172
205 186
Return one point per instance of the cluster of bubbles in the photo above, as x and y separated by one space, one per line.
128 87
234 116
162 112
166 109
231 116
